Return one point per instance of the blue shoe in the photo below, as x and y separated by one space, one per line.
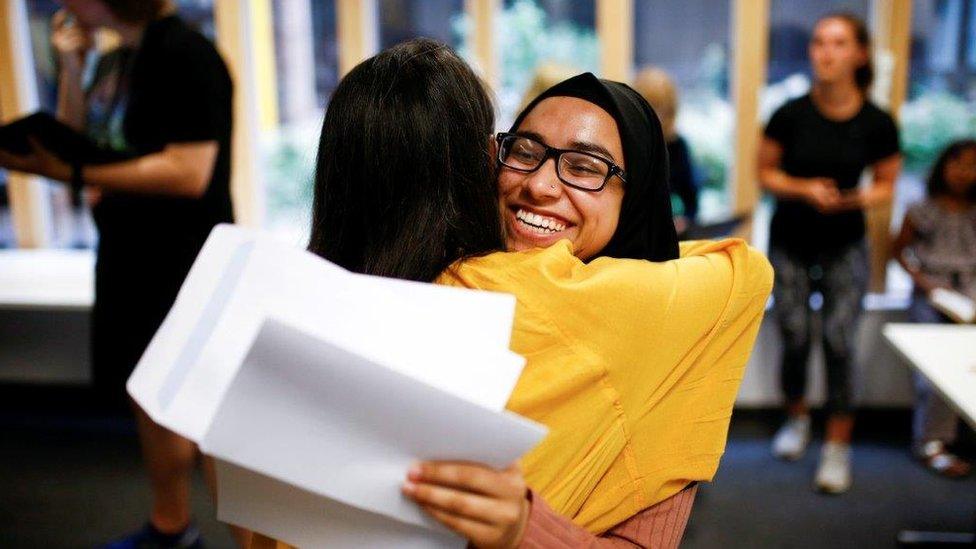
151 538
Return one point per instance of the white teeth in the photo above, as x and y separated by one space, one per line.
538 223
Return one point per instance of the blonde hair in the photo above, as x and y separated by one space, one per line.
659 90
546 76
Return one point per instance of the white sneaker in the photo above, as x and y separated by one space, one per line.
834 471
792 438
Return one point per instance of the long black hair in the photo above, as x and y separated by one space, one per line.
405 179
936 185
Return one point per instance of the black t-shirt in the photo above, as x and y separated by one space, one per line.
175 88
815 146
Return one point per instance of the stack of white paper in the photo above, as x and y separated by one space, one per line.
316 388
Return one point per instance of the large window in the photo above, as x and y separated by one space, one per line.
306 63
689 39
199 15
941 103
402 20
547 38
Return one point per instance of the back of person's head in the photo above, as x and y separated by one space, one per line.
937 183
404 182
659 90
864 74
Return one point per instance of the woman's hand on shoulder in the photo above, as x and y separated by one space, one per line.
488 507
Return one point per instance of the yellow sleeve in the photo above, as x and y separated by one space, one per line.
674 338
647 318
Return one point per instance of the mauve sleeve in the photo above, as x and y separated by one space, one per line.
660 526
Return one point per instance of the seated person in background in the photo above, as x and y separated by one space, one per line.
659 90
633 356
937 246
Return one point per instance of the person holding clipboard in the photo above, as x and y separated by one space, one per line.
156 114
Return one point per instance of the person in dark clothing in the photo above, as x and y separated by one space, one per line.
659 90
163 98
682 178
813 153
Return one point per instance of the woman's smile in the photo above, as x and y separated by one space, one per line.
529 228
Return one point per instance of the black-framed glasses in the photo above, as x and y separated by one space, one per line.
578 169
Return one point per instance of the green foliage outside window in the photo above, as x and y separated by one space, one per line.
929 123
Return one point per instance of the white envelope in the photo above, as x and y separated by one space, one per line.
303 519
328 435
451 338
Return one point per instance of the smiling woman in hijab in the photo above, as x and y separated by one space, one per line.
633 354
635 347
644 230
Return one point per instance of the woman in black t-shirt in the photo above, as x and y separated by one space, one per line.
163 99
813 153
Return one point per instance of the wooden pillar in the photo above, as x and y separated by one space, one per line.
482 14
356 33
245 37
29 204
750 32
615 31
891 28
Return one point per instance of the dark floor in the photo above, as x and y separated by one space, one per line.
75 483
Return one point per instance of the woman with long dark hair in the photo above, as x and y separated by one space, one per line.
811 159
632 363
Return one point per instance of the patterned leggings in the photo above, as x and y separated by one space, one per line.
841 278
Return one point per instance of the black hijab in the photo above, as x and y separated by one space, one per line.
646 228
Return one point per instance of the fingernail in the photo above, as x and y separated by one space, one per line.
409 488
414 472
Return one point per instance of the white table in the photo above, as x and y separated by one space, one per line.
47 279
945 354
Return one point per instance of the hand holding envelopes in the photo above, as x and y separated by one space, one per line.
316 388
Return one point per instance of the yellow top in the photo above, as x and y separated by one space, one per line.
633 366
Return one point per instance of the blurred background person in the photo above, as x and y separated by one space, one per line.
659 90
813 153
545 76
162 96
937 246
